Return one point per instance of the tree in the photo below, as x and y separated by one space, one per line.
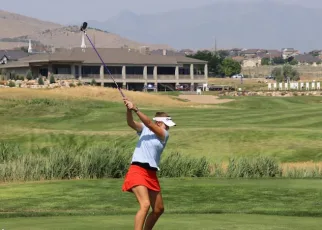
230 67
293 62
214 60
223 54
52 79
29 75
278 60
265 61
315 53
12 75
41 81
285 73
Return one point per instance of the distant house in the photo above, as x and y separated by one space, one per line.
270 54
307 59
251 53
252 62
239 59
289 52
187 51
165 52
235 52
11 55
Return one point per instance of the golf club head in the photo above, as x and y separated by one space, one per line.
84 26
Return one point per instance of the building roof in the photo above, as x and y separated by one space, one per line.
306 58
115 56
239 58
15 64
13 54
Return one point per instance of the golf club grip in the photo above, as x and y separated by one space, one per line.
104 64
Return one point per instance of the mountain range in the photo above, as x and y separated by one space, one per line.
269 24
17 30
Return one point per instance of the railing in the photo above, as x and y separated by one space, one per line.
63 76
150 77
199 76
92 76
134 76
184 77
166 77
115 76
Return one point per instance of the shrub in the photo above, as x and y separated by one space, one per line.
41 81
253 167
52 79
12 75
176 165
69 162
12 84
29 75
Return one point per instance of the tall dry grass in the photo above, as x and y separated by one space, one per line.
302 169
96 93
256 167
79 162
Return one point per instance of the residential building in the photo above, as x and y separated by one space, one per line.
11 55
251 53
289 52
132 69
307 59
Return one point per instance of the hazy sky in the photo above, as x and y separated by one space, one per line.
72 11
81 10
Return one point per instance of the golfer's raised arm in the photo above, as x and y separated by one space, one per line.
130 121
151 125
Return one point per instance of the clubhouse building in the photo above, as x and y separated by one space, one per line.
133 70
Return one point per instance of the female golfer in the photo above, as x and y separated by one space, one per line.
141 178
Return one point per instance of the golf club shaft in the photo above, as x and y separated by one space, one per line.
104 64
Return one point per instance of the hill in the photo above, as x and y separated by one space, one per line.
252 24
70 36
16 30
15 25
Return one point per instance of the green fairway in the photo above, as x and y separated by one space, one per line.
167 222
181 196
286 128
82 139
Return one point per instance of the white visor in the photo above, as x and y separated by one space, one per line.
166 120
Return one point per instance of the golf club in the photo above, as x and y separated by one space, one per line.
83 28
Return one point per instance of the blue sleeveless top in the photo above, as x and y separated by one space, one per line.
149 147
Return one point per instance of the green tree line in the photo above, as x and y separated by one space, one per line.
219 64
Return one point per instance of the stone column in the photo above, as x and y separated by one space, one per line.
145 72
102 72
206 71
80 72
155 77
191 71
177 72
73 70
124 72
155 72
50 69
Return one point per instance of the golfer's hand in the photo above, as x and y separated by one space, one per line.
128 104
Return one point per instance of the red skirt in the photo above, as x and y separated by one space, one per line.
140 176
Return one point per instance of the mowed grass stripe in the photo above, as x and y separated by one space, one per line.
182 196
168 222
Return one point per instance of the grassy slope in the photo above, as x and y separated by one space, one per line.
288 128
182 196
189 203
167 222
